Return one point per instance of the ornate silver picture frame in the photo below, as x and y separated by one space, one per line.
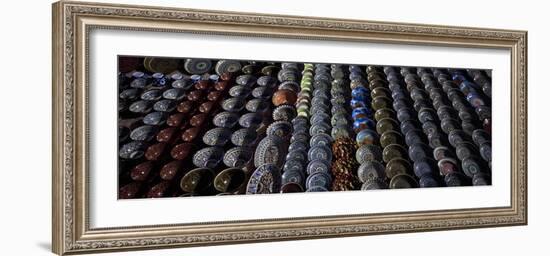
72 208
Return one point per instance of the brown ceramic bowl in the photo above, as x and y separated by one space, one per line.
141 171
181 151
154 151
169 170
284 96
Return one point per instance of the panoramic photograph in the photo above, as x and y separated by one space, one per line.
208 127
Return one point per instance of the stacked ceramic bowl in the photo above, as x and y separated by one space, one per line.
270 154
398 165
371 171
240 125
294 169
461 133
174 107
426 168
344 166
437 118
319 152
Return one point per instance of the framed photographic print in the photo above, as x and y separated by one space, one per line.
178 127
